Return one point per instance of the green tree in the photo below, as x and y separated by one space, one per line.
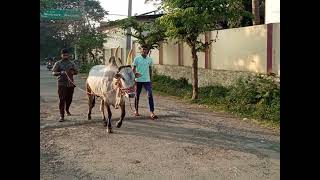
89 41
50 43
45 5
259 5
187 20
246 20
151 34
71 32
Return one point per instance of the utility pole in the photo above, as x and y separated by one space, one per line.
129 29
82 9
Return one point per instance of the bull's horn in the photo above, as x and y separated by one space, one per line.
117 50
116 55
129 58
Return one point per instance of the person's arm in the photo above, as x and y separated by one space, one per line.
150 69
75 72
134 69
150 72
55 70
74 69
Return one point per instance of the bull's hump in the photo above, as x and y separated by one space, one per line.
97 70
97 67
102 71
111 67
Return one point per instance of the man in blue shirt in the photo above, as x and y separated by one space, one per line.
143 65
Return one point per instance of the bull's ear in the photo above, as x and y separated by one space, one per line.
137 75
117 76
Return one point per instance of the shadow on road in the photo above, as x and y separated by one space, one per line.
210 138
169 127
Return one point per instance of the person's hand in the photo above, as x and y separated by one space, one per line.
72 71
137 75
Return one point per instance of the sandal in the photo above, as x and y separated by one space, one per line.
153 117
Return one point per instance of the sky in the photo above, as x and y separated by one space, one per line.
121 7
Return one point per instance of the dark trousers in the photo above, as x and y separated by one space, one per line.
148 88
65 98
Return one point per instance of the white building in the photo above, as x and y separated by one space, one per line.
272 11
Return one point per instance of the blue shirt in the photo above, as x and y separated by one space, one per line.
142 66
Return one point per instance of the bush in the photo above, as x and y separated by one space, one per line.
213 95
256 96
171 86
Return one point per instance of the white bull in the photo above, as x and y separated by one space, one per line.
112 84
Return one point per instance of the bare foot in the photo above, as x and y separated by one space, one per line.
136 113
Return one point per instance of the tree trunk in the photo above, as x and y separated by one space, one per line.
92 55
255 12
83 57
195 90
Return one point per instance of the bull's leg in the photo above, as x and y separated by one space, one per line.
91 100
118 99
102 110
109 127
123 113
